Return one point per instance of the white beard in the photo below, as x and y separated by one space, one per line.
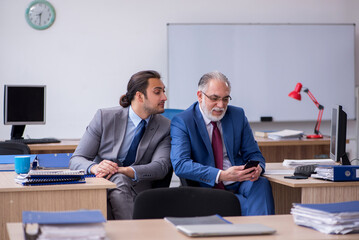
208 113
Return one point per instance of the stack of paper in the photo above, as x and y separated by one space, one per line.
330 218
44 177
286 134
293 163
82 224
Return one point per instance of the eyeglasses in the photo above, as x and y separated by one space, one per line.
215 98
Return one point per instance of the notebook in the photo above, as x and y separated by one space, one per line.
203 230
46 177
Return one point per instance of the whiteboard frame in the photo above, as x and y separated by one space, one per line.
182 85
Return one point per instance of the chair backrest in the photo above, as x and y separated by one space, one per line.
185 202
13 148
171 112
188 183
165 182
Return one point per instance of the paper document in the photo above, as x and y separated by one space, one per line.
285 134
330 218
69 225
292 163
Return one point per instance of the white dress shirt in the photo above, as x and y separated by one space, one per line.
226 163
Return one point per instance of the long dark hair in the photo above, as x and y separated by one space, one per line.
137 83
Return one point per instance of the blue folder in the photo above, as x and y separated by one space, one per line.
340 207
7 161
344 172
64 217
53 160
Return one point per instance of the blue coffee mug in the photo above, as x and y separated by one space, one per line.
22 164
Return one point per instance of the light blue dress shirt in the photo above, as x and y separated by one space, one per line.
132 123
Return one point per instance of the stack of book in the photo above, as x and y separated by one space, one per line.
330 218
45 177
286 134
263 133
82 224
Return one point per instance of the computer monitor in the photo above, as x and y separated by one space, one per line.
24 105
338 135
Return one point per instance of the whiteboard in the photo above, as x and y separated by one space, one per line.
264 62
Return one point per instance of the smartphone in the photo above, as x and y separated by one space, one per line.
251 163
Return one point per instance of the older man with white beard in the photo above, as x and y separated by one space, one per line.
211 143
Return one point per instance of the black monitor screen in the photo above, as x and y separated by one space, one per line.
333 133
338 135
24 105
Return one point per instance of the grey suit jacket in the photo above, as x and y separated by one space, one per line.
103 139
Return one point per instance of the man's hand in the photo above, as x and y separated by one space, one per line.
239 174
105 168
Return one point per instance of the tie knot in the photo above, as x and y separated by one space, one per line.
142 123
214 124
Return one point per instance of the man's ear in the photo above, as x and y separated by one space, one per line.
139 96
199 96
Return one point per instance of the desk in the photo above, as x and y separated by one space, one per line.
278 150
158 229
272 150
15 198
311 190
65 146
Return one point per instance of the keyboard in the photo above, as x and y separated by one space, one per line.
35 140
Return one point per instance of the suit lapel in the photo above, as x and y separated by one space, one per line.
119 131
146 139
203 130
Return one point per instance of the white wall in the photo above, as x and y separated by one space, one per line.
88 55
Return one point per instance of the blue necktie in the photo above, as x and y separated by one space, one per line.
131 154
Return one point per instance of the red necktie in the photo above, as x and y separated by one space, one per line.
217 150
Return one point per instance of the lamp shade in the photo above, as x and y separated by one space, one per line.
296 93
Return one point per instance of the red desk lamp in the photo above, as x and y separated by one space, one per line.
296 95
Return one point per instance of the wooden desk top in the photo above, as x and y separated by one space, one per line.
292 142
69 145
7 184
66 145
298 183
158 229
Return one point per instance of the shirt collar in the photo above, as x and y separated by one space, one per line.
135 118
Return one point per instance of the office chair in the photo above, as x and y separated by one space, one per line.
13 148
171 112
188 183
165 182
185 202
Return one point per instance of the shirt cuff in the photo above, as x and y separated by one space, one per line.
134 179
89 168
217 178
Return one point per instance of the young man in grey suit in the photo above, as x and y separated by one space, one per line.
128 144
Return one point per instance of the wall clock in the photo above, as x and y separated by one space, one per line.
40 14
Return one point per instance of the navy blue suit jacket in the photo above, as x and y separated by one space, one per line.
191 153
